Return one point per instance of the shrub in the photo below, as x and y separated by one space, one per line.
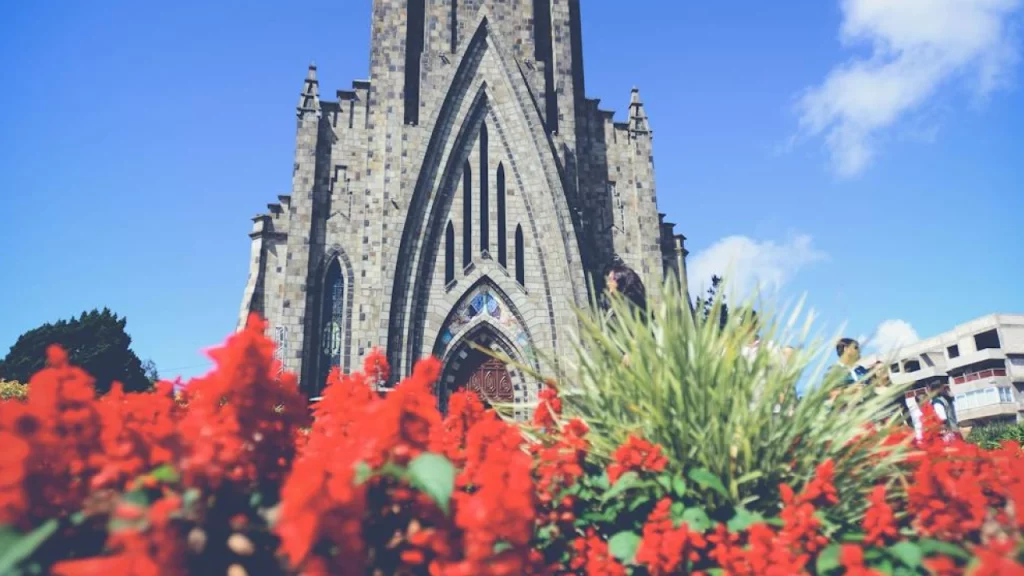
685 384
10 390
991 436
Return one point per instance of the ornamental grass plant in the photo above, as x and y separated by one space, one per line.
731 419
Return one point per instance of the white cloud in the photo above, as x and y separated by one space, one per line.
892 335
749 264
915 47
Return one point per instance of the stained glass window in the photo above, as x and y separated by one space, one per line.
332 320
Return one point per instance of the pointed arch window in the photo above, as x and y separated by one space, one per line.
332 321
502 233
520 256
485 217
449 254
467 214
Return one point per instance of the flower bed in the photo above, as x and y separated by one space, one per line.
237 478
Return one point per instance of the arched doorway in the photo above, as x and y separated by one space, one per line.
486 376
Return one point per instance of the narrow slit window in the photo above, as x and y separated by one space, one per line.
502 236
467 214
455 26
415 18
520 257
485 217
542 40
449 254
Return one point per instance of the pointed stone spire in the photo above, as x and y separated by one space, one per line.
309 100
637 114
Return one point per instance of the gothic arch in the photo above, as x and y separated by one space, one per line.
485 317
509 321
431 198
334 260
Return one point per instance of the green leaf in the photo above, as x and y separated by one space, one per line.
638 502
136 498
623 546
166 474
828 560
255 500
706 479
625 482
679 486
743 520
697 519
665 481
363 472
16 548
434 475
932 547
908 553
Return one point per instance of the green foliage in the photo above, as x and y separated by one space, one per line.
435 475
16 548
729 423
10 390
991 436
96 341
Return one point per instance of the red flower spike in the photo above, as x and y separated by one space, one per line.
636 455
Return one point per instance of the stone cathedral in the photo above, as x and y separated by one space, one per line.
462 195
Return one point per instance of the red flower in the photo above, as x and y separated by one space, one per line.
549 407
852 558
636 455
464 410
560 464
376 368
879 520
243 417
592 558
664 547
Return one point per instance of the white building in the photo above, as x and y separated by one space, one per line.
981 360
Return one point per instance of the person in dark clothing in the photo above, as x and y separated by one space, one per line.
621 279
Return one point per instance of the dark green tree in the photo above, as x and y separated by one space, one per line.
704 306
95 341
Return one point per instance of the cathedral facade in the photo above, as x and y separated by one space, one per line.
462 195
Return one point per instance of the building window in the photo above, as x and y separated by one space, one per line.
544 52
467 214
455 26
911 366
449 254
332 322
502 235
895 368
415 21
953 351
1015 359
986 340
485 217
1005 395
520 256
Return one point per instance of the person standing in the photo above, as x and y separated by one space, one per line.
846 372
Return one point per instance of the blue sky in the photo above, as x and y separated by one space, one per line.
868 153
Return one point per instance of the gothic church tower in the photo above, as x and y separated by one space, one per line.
461 195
